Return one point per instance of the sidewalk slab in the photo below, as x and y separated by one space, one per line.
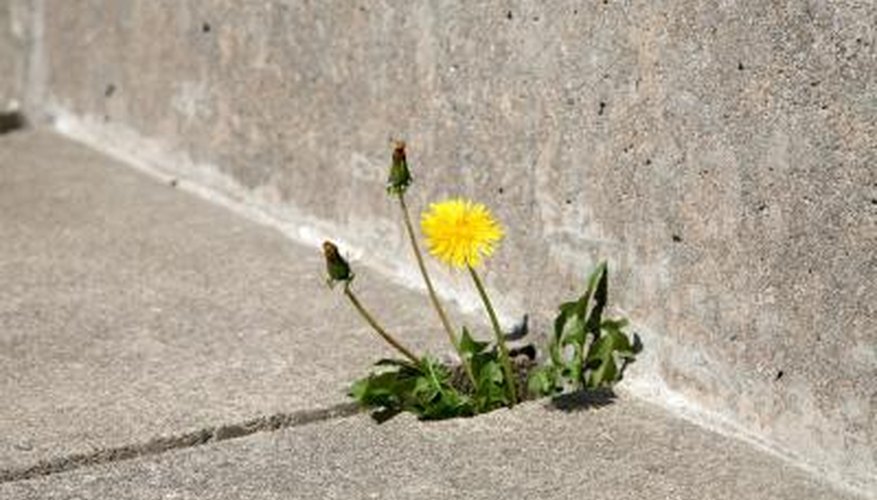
626 450
131 310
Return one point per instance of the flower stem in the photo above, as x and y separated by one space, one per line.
432 295
374 324
500 339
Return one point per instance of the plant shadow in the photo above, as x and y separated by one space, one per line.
12 121
583 400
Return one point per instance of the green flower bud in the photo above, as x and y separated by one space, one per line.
336 266
400 177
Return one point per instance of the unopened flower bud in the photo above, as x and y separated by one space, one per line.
336 266
400 177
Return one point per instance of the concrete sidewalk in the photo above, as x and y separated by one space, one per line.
135 318
626 450
131 310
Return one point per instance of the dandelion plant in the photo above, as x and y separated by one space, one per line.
587 350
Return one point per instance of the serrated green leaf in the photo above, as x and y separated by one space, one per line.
491 373
575 368
554 353
380 390
626 355
405 367
491 391
450 404
614 324
567 310
601 358
573 362
598 289
393 362
542 381
470 347
358 389
604 373
597 275
436 373
573 331
424 389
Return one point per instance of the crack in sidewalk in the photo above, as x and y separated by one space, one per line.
160 445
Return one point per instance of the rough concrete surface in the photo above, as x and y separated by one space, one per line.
627 450
9 55
14 30
721 155
131 311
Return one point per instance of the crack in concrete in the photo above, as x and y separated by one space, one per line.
159 445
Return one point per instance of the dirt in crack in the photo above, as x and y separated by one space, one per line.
187 440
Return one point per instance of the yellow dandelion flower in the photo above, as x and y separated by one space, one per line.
460 232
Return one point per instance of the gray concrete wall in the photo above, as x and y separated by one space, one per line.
14 26
8 56
721 155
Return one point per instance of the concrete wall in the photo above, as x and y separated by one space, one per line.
721 155
14 28
8 57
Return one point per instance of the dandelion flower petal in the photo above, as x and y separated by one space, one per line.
460 232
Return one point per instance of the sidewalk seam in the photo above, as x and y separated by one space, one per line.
191 439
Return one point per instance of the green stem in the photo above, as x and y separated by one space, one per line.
380 331
432 295
500 339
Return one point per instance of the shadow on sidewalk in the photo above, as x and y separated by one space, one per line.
12 121
583 400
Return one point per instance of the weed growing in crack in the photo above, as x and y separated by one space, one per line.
586 351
